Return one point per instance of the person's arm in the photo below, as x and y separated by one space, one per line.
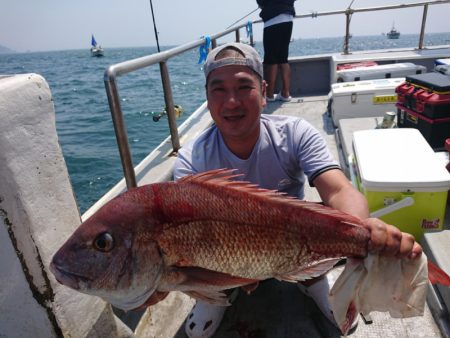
337 192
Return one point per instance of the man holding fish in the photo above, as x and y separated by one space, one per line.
275 152
216 229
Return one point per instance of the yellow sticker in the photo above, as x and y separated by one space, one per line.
412 118
382 99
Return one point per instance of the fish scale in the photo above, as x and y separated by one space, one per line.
212 245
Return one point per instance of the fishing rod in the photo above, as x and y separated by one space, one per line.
253 11
154 26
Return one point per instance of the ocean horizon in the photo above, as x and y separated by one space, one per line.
83 119
165 47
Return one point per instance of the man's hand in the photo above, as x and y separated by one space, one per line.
337 192
388 240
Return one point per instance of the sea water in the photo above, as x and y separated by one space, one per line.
83 119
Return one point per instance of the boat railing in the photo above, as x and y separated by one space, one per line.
161 58
116 70
350 11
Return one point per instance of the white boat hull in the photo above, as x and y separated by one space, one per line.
95 51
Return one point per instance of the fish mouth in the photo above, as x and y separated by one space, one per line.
68 278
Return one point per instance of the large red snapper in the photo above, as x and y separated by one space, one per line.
200 235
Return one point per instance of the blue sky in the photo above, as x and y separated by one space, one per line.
38 25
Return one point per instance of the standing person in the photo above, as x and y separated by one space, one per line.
275 152
277 16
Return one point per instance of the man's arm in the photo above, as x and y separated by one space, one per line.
337 192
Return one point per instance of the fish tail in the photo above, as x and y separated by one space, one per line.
437 275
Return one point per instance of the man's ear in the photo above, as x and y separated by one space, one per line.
263 92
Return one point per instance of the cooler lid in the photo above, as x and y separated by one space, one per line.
445 61
433 81
398 159
366 86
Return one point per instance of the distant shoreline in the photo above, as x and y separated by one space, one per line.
6 50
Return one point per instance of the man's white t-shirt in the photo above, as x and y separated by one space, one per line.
288 149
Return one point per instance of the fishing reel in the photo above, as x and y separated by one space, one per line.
157 115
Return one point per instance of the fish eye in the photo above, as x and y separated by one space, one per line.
104 242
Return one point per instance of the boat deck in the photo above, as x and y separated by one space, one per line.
278 309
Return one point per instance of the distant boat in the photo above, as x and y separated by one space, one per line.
96 49
393 33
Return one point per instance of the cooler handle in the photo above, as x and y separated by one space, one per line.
405 202
352 170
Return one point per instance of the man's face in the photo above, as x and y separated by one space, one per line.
236 97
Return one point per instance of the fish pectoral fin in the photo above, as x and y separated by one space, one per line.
210 296
195 278
250 287
203 284
311 271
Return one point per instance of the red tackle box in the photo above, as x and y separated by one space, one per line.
435 131
427 94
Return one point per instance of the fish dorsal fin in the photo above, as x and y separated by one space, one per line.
224 178
225 174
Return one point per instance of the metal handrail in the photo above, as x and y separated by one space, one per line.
350 11
113 71
116 70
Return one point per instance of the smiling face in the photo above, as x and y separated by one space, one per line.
236 97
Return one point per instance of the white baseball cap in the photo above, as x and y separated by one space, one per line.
250 58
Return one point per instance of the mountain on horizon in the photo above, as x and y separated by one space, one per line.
6 50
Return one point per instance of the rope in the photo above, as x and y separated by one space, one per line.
253 11
204 49
249 29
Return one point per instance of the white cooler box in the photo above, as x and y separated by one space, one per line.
402 178
442 62
442 66
443 69
379 72
363 98
344 136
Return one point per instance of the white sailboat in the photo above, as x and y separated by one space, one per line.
96 49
